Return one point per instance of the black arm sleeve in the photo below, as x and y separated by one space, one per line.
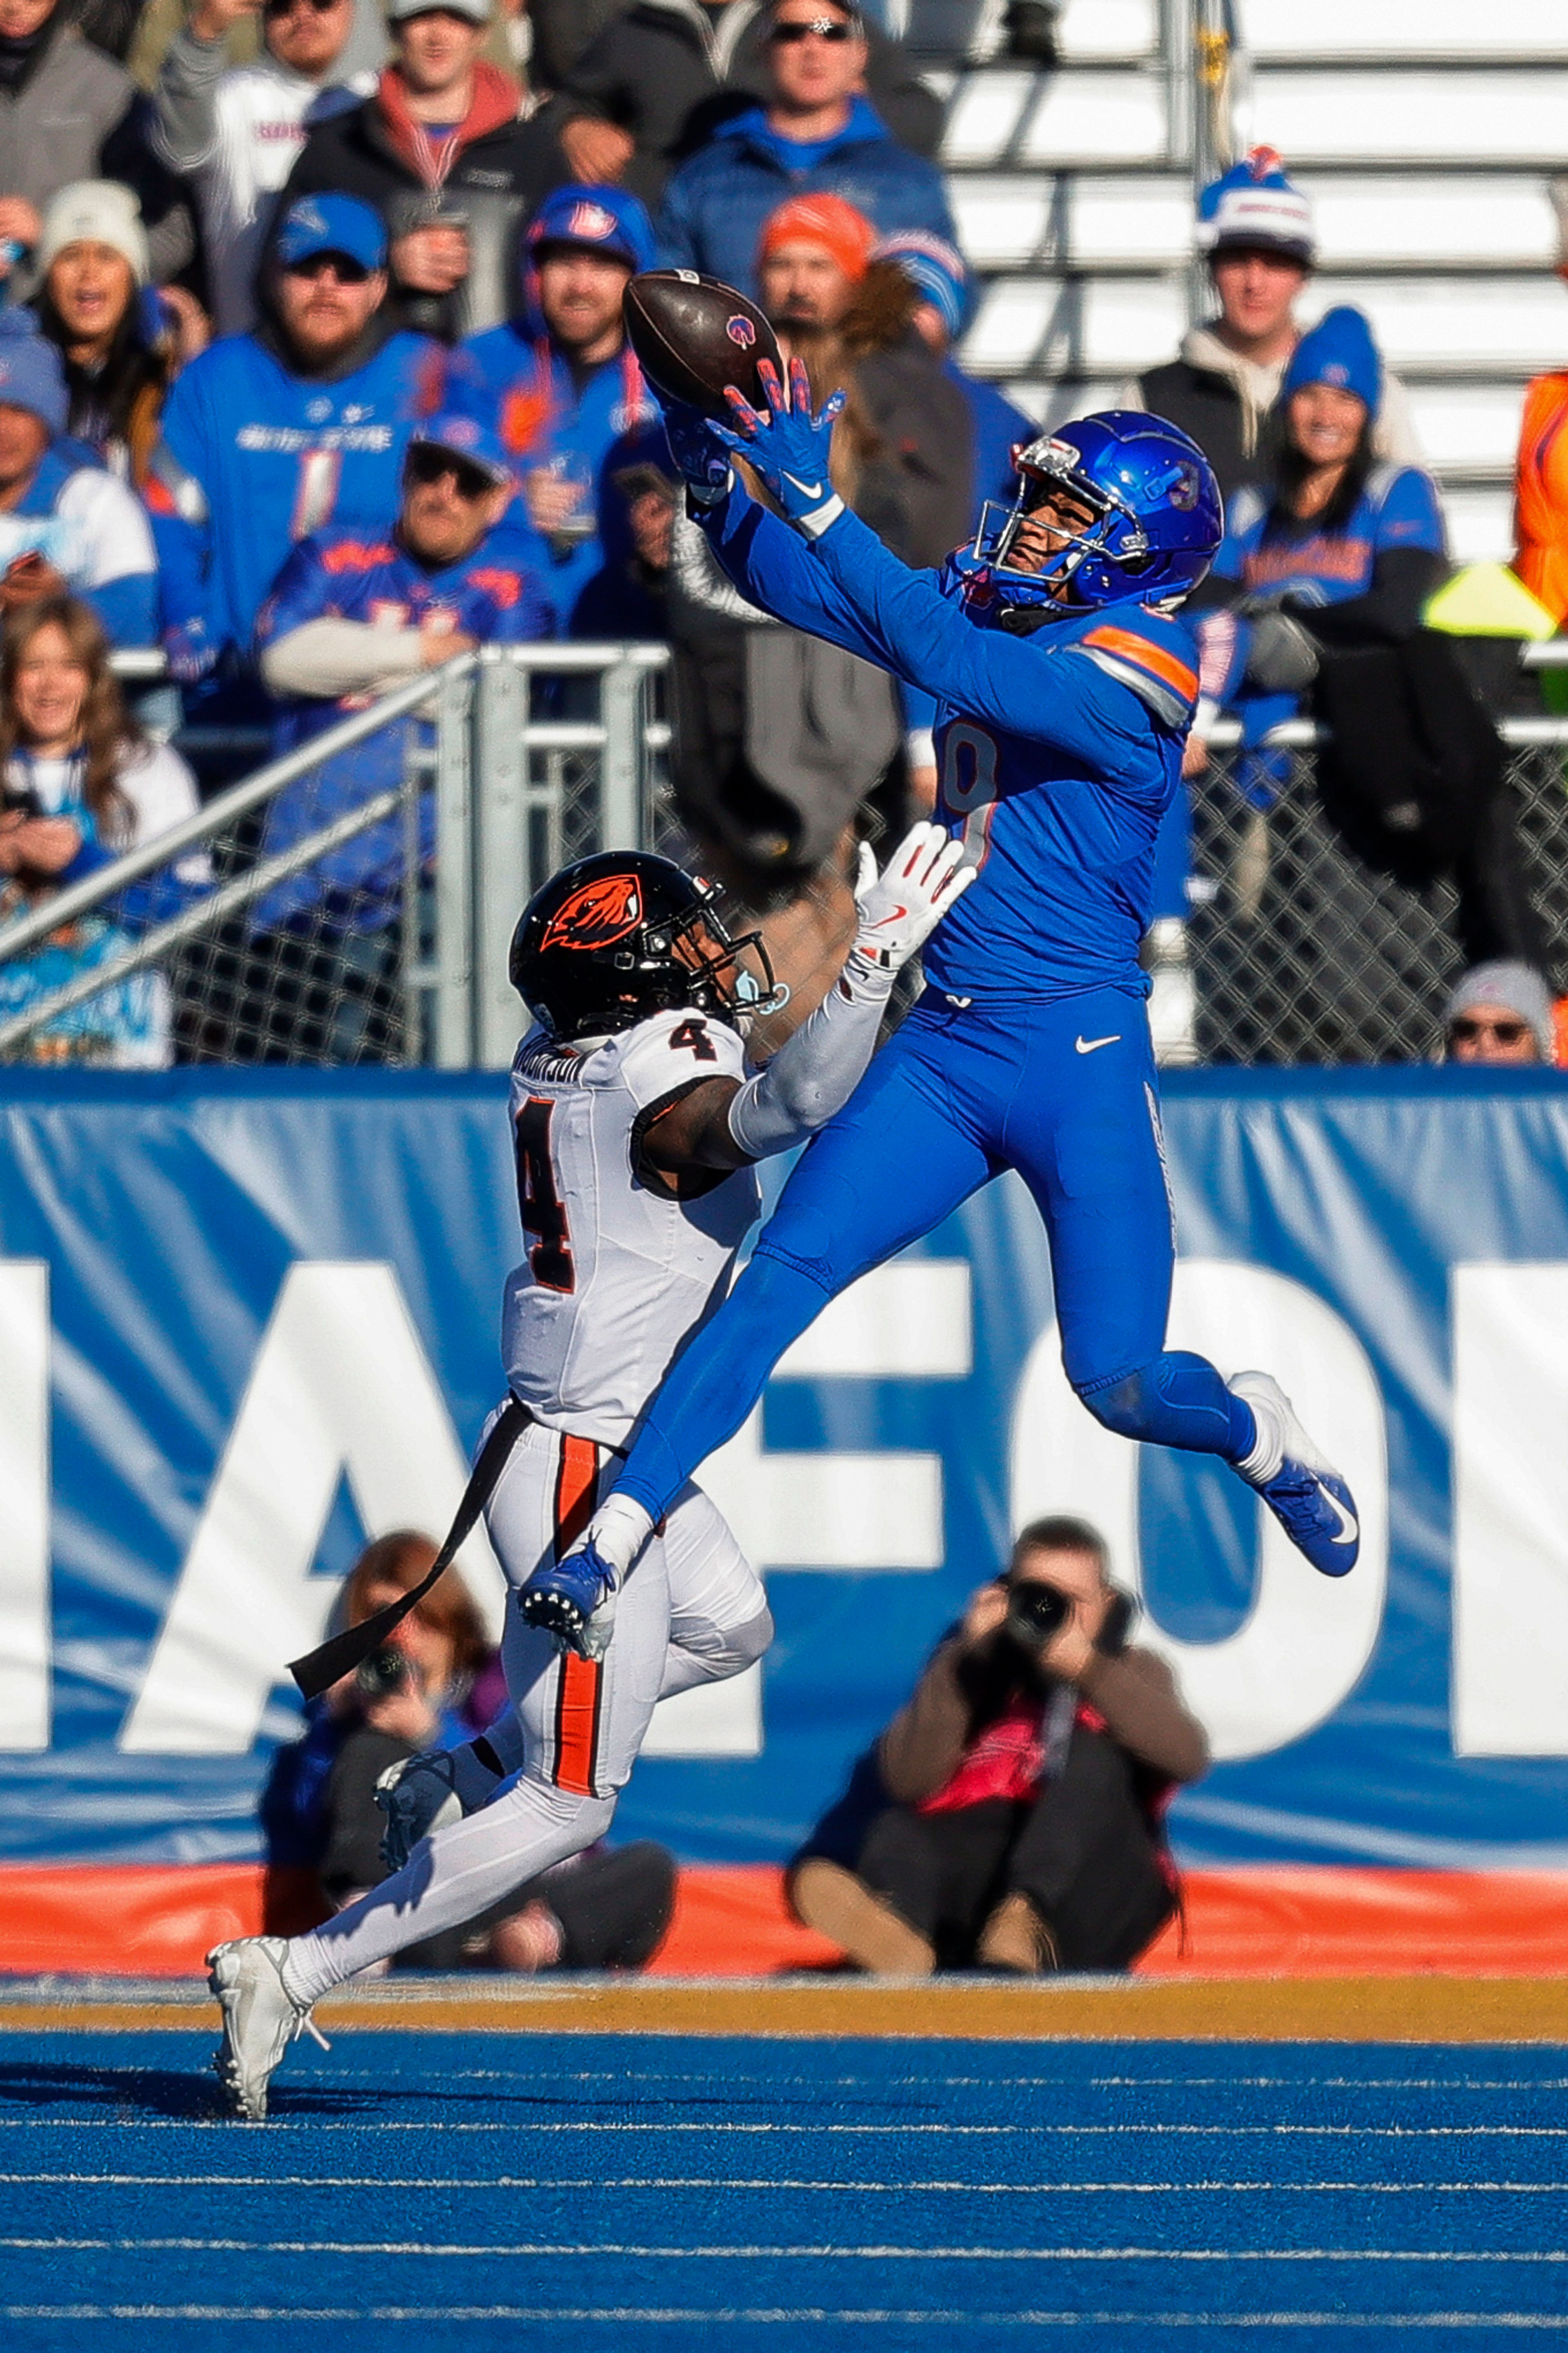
1389 613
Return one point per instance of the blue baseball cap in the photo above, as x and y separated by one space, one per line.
466 438
1340 352
331 224
604 220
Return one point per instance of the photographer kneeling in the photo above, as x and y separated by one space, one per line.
1020 1790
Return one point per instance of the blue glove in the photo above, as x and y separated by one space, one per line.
788 447
698 452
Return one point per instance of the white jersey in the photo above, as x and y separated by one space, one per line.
617 1272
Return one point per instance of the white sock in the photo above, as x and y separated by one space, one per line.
1268 1445
619 1529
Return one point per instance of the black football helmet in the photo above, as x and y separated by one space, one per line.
613 938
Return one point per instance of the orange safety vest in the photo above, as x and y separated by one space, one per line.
1540 493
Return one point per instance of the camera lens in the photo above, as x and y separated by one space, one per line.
384 1672
1034 1612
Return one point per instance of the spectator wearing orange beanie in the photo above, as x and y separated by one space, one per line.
812 253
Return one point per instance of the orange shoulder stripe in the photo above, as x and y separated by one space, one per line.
1152 658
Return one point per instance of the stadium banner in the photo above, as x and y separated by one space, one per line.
249 1319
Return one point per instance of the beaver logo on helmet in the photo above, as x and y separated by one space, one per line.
596 916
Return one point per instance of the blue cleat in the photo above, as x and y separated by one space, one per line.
570 1598
1306 1494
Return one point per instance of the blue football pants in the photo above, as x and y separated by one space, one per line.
1066 1094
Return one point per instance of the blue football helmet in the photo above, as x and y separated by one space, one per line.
1158 519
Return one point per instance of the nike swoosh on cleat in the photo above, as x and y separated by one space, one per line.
807 490
1092 1045
1349 1530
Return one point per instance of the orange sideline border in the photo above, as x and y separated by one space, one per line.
1269 1922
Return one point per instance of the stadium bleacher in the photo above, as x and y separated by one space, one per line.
1426 132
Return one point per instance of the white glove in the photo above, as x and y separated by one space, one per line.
901 907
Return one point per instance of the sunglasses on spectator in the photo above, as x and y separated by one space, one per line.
1467 1031
426 462
826 28
276 8
345 268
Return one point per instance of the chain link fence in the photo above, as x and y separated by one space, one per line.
1301 953
355 901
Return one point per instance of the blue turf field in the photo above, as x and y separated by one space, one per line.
434 2191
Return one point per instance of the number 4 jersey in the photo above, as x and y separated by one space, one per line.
621 1265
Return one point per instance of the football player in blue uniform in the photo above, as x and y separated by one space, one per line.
1064 684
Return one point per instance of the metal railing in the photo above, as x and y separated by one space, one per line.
353 901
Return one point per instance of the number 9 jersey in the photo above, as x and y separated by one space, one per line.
623 1262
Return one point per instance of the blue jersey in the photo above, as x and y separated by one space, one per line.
1057 754
554 420
254 457
1272 554
497 595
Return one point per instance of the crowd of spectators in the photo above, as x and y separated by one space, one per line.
313 372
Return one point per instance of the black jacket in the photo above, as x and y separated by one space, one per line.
662 73
496 182
1208 408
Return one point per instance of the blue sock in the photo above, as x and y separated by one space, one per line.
1177 1400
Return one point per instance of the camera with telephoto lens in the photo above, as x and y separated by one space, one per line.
384 1672
1036 1612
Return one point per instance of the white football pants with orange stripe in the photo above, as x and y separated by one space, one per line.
692 1611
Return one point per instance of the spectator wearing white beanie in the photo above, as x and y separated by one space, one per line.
120 344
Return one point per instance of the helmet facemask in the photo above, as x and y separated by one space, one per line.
703 944
1049 470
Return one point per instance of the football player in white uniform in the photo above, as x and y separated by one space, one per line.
636 1124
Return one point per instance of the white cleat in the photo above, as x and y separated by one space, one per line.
1306 1494
260 2019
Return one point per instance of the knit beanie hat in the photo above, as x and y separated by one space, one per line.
937 267
822 220
1519 986
1338 350
99 212
1255 204
30 373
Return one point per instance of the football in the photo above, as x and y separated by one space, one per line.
694 335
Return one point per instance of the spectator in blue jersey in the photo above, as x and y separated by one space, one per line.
353 615
561 376
1315 603
815 133
271 436
65 524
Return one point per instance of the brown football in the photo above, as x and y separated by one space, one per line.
694 335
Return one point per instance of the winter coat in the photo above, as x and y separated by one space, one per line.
919 416
501 168
665 74
74 114
1223 401
715 205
